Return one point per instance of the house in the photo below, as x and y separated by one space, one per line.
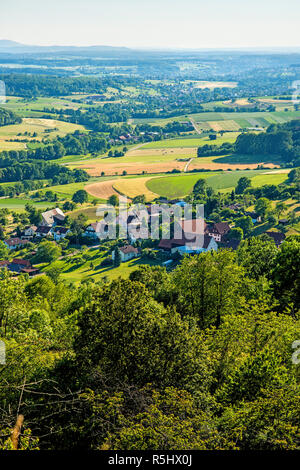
96 230
256 218
185 246
14 243
59 232
53 217
218 230
278 237
127 252
43 231
234 207
16 265
4 264
209 244
91 230
28 232
283 221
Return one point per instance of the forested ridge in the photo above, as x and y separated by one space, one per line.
198 358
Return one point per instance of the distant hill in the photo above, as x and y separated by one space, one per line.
12 47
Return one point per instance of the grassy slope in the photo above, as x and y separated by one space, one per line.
181 185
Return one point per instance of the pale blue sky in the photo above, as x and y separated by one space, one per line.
153 23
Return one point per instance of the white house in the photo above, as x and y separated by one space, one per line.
59 232
53 217
14 243
28 232
127 252
43 231
185 246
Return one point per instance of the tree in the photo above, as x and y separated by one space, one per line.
235 233
118 335
257 255
286 274
117 258
243 184
245 223
54 273
68 206
113 200
141 199
80 196
46 252
3 250
262 206
208 286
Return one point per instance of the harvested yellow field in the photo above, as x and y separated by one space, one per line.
239 102
132 187
132 168
42 127
7 145
160 152
215 125
102 190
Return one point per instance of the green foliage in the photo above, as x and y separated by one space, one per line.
80 196
46 252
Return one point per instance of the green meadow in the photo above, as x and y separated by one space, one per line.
182 185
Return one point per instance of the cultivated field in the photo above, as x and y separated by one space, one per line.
44 128
101 190
182 185
132 187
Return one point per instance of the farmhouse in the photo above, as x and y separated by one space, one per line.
127 252
218 230
28 232
43 231
184 246
53 217
96 230
14 243
17 265
59 232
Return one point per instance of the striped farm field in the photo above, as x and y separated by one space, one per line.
191 142
268 178
101 190
132 187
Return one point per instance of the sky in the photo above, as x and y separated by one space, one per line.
192 24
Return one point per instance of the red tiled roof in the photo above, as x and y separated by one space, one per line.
4 263
16 241
128 249
21 262
221 228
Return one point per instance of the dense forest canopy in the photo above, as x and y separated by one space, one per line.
202 353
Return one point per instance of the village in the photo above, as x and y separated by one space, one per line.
131 231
